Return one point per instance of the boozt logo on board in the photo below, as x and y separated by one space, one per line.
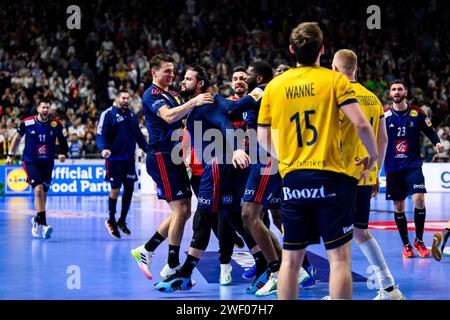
204 201
16 181
445 178
309 193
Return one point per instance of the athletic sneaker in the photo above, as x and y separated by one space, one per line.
123 226
306 278
35 228
249 273
144 259
259 283
270 288
436 249
420 247
175 283
112 229
225 274
395 294
168 271
47 232
408 251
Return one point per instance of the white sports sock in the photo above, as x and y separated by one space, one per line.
373 253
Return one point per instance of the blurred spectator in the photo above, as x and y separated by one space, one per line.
81 72
90 150
75 147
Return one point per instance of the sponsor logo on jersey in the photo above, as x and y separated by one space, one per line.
204 201
249 192
30 122
275 200
428 121
401 146
307 193
42 149
257 94
53 124
227 199
414 113
419 186
347 229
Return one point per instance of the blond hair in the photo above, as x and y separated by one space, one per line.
346 60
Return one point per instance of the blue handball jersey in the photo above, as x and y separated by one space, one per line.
160 132
206 117
248 106
40 139
404 127
118 130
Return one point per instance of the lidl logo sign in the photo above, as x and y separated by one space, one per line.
16 181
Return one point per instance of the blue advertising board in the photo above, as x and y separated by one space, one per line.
71 179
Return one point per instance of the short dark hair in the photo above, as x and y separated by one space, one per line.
43 100
157 60
239 69
306 40
202 74
264 69
123 90
398 81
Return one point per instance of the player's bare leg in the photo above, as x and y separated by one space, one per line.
251 213
288 274
341 282
181 211
276 218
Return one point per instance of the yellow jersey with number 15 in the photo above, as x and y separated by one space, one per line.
301 106
352 148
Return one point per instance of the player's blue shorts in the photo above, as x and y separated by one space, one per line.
317 203
216 189
400 184
120 171
39 173
362 207
172 181
263 185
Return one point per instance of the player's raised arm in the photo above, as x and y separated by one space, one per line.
171 115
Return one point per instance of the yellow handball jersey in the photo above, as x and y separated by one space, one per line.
301 106
352 148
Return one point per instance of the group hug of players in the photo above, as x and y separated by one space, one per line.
320 139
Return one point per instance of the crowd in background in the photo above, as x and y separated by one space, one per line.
81 71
